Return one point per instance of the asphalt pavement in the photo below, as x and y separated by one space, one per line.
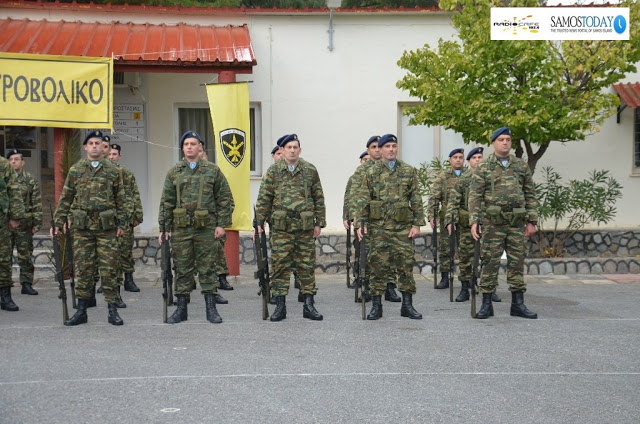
578 363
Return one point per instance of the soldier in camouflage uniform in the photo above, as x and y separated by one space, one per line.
22 237
439 197
375 154
292 201
93 201
504 195
134 207
458 207
196 206
11 212
391 205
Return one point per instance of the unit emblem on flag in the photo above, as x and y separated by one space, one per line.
233 142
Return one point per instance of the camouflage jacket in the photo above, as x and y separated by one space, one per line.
11 204
132 195
346 210
458 198
292 192
31 198
507 187
356 184
445 180
394 192
206 184
93 190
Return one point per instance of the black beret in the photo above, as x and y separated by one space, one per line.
475 151
502 130
106 138
190 134
275 149
387 138
289 138
363 154
279 142
455 151
14 152
117 147
92 134
373 139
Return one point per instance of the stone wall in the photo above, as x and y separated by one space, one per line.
587 252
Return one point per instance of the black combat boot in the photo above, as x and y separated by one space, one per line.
129 285
120 303
495 297
28 289
114 318
444 281
272 301
390 293
486 310
280 312
212 313
224 284
464 292
180 314
376 308
407 309
308 310
300 297
6 302
220 300
518 309
80 317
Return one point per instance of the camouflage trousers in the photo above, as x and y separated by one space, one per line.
389 254
125 254
367 270
6 255
293 251
443 247
196 251
495 240
93 252
22 239
222 268
465 245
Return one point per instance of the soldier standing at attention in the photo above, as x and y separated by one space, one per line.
458 207
93 200
11 213
439 196
196 206
504 195
125 243
22 237
391 206
292 201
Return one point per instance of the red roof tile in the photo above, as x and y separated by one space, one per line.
629 93
193 48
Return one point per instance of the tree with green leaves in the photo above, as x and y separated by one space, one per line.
544 90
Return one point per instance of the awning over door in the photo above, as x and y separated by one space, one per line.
629 93
135 47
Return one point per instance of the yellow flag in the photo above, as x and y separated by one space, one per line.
56 91
229 106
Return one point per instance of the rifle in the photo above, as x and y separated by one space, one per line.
262 260
452 257
476 273
434 246
361 272
62 295
167 274
72 271
349 256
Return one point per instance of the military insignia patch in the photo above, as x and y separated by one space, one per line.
233 143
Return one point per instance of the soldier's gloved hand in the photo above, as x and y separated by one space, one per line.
414 232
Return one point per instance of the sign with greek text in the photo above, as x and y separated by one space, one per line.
56 91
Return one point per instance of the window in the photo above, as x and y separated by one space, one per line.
199 119
636 143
